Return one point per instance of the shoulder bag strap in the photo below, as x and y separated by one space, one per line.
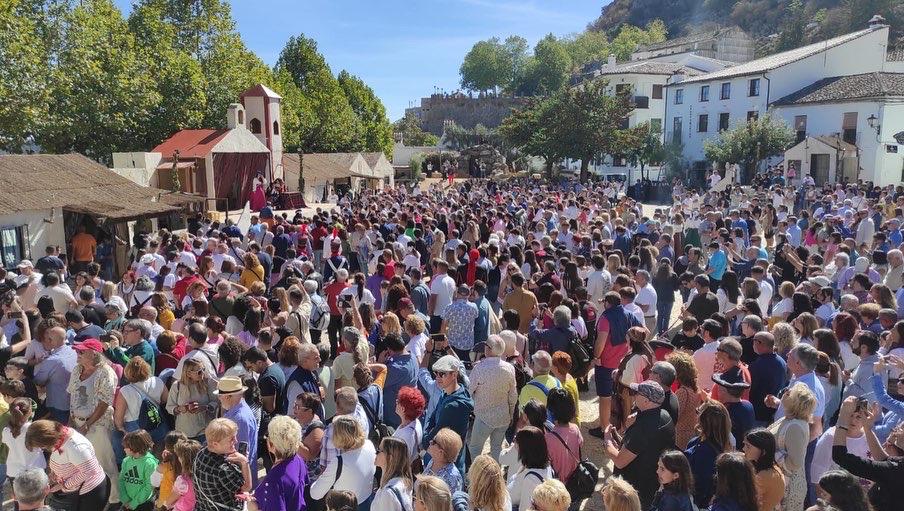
371 415
398 497
566 446
145 394
338 469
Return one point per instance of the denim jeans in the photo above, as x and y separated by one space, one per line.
61 416
479 434
663 314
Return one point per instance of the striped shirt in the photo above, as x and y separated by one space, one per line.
75 464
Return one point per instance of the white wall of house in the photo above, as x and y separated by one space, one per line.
861 55
40 233
140 168
877 163
401 153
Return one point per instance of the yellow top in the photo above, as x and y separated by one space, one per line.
166 483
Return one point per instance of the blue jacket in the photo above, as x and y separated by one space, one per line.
454 412
667 500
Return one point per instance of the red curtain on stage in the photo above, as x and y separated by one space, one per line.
234 174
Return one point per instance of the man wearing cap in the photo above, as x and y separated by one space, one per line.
27 283
768 373
231 392
454 408
458 323
635 456
739 409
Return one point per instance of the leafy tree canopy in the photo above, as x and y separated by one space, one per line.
409 127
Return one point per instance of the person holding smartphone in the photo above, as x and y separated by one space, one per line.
231 391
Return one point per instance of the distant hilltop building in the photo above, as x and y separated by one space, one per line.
465 110
729 44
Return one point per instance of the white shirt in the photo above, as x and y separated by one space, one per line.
782 307
705 359
417 346
647 296
521 485
634 309
824 312
153 387
366 297
218 261
822 456
443 286
60 294
188 259
20 458
765 296
412 434
357 476
386 499
599 282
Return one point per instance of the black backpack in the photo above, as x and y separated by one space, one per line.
378 430
580 357
149 415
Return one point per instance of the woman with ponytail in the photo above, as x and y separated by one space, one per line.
20 458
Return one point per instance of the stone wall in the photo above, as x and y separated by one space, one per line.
464 110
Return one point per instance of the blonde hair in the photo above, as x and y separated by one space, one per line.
449 443
433 492
799 402
137 370
415 325
397 463
284 435
619 495
390 324
283 296
186 451
107 291
785 337
786 290
220 429
487 490
551 495
347 433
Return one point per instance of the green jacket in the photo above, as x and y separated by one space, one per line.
135 480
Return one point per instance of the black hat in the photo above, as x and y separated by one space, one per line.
731 380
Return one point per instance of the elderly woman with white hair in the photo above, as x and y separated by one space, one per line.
559 336
495 392
894 279
283 487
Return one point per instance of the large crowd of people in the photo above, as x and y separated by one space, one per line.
440 348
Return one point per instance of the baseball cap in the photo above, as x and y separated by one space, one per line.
734 380
447 363
650 390
89 344
821 281
25 263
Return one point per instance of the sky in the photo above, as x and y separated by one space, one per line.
402 48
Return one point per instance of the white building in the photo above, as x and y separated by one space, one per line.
646 81
865 110
698 107
262 109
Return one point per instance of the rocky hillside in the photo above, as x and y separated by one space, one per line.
791 23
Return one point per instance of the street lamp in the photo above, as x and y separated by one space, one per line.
873 122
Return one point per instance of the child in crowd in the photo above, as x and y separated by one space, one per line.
19 458
165 475
182 498
16 370
135 489
341 500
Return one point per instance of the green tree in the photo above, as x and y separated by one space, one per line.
749 143
412 135
588 121
643 146
102 90
485 66
326 121
24 80
793 32
552 64
629 38
178 77
370 111
530 130
587 47
515 53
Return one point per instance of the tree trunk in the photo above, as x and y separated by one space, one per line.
585 169
549 162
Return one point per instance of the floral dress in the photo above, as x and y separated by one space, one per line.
791 436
